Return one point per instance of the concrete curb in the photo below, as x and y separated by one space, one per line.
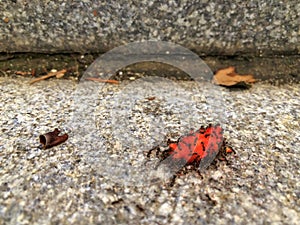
215 27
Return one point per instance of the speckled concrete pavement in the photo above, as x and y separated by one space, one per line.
85 181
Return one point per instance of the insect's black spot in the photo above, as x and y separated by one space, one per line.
202 143
202 130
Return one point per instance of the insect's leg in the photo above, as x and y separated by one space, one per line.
156 148
197 161
172 181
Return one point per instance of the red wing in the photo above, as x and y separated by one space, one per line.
184 148
200 147
213 140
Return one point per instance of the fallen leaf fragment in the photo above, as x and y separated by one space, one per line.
95 13
52 139
57 74
6 20
228 77
102 80
151 98
33 72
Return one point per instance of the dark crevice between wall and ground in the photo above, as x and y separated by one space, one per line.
276 69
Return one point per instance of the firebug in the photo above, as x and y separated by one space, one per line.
198 148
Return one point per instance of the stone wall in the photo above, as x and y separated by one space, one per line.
218 27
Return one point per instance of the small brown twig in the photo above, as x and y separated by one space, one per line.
23 73
102 80
58 74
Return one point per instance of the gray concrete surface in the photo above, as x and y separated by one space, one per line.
85 180
207 27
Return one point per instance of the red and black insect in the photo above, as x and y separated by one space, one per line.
198 148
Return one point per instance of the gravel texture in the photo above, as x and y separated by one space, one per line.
101 174
208 27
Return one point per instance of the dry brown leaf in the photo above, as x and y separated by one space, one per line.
228 77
